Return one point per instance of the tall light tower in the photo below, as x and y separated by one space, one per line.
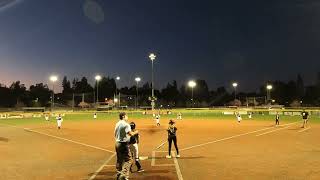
53 79
118 79
137 79
269 87
152 57
192 84
235 84
97 78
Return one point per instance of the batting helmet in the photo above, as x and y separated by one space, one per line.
133 125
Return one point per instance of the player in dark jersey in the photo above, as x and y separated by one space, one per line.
134 147
172 132
305 116
277 118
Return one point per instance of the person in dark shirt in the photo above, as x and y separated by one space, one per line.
172 132
134 147
305 116
277 118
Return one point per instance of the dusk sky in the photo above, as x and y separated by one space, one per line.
250 42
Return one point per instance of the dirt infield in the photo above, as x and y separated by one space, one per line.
210 149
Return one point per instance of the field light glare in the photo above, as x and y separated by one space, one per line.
98 77
53 78
118 78
269 87
138 79
192 84
152 56
234 84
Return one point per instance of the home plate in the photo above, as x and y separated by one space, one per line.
143 158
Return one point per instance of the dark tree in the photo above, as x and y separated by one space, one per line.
107 88
40 94
201 91
66 86
83 86
19 93
170 94
7 98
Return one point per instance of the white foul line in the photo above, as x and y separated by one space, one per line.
64 139
268 132
101 167
176 164
231 137
304 129
153 160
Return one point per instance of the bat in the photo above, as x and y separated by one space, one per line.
163 143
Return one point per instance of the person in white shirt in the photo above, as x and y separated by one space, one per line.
59 121
122 135
238 117
46 117
158 119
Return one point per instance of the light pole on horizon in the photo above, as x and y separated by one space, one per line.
235 85
192 84
137 79
53 79
117 79
269 87
97 78
152 57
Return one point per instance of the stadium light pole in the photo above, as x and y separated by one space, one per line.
97 78
192 84
118 79
53 79
152 57
235 89
269 87
137 79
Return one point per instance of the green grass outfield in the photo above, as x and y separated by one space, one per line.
199 114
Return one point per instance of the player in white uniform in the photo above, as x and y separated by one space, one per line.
59 121
46 117
158 119
250 115
95 116
179 116
238 117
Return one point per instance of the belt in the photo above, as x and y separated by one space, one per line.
123 142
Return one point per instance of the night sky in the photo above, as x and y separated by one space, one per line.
250 42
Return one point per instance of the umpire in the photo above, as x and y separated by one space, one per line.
122 134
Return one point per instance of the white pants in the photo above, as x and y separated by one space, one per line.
134 149
239 119
59 122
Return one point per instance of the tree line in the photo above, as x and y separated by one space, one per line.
291 93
